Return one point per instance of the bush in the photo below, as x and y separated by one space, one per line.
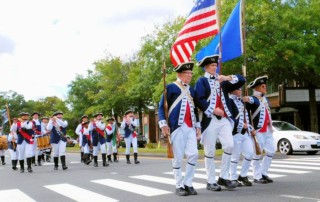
151 145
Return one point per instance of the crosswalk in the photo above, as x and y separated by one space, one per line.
136 183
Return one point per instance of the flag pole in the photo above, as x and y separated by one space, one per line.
244 70
220 35
8 114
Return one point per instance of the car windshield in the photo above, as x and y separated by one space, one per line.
280 125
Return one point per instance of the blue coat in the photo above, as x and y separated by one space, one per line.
57 135
202 100
173 92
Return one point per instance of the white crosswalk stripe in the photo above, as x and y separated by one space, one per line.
164 180
131 187
14 195
77 193
279 168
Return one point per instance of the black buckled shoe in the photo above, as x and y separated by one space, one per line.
260 181
267 178
245 181
190 190
226 183
213 187
238 184
181 192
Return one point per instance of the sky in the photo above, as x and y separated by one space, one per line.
45 44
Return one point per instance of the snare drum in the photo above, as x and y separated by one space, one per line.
43 142
3 142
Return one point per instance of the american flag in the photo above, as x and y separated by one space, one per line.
201 23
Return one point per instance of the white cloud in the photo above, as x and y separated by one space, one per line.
44 44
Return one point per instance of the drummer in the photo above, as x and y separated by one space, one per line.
45 132
13 140
2 149
37 132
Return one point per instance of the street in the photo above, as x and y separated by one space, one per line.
296 178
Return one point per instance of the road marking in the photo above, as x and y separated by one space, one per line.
300 197
293 166
14 195
131 187
165 180
285 170
77 193
297 163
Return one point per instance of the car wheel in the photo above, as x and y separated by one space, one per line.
284 146
312 152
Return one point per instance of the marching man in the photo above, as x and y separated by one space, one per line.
183 125
23 128
58 128
98 139
13 139
130 136
86 142
83 118
112 137
2 150
260 114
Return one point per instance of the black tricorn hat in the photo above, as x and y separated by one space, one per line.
84 116
208 60
85 122
97 114
23 113
231 87
128 111
184 66
56 113
110 119
258 81
35 113
44 118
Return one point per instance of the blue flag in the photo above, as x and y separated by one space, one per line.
232 46
4 117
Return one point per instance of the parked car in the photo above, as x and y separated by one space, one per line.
288 138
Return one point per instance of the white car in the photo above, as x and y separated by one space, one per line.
288 138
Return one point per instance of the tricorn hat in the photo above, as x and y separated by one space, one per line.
110 119
229 87
128 111
84 116
35 113
184 66
23 113
208 60
85 122
97 114
258 81
44 118
56 113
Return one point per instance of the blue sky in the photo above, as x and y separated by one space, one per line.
44 44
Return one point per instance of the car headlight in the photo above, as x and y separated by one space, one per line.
300 136
316 137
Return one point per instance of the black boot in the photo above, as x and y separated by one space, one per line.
63 162
56 163
39 160
95 158
14 164
87 159
104 160
48 157
115 158
128 158
21 162
33 161
2 159
109 159
82 157
42 158
136 158
29 160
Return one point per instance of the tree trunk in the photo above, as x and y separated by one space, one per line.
313 110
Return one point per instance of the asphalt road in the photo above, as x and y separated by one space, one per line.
296 179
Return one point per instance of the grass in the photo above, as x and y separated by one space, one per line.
147 150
